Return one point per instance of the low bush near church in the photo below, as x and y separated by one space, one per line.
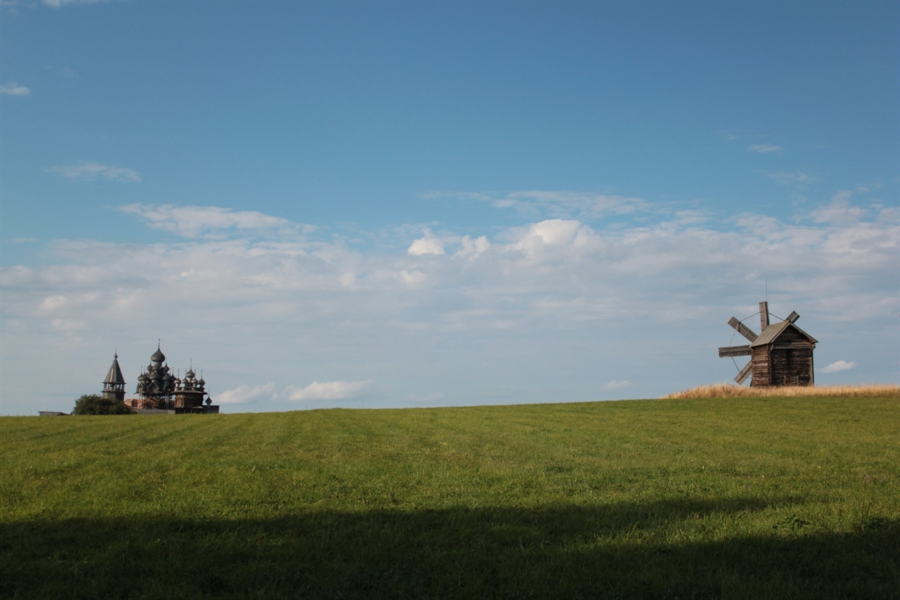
92 404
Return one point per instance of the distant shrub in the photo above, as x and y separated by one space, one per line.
730 390
92 404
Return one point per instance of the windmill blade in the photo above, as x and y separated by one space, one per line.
763 315
744 374
792 317
742 329
734 351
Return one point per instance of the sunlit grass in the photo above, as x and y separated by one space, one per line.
746 498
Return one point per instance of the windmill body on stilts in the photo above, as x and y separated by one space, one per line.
782 354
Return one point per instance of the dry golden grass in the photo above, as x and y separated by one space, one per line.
730 390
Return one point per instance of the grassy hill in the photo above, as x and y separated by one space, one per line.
690 498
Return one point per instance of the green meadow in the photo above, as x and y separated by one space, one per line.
690 498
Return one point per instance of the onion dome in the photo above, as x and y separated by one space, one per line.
158 357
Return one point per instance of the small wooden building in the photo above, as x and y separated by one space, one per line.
782 354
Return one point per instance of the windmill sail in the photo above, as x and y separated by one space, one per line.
745 373
734 351
742 329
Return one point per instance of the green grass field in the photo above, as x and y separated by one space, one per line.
736 498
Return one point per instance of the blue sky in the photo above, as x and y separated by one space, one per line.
435 203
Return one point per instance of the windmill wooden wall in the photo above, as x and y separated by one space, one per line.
759 367
786 361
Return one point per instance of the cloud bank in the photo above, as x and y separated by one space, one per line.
453 318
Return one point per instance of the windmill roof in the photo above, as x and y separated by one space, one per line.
774 331
115 373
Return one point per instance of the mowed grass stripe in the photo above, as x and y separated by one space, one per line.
748 497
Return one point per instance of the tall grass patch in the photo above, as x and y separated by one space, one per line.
730 390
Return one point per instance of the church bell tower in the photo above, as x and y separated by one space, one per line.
114 384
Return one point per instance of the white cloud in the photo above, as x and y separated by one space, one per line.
555 232
426 245
472 248
327 390
192 221
61 3
839 212
563 204
729 135
889 214
436 195
837 367
691 217
67 324
90 171
558 204
763 148
245 394
18 275
12 88
798 180
551 237
616 385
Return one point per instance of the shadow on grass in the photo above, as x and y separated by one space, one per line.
614 551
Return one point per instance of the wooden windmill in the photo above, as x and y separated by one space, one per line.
782 354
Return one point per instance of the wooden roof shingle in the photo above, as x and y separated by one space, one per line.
774 331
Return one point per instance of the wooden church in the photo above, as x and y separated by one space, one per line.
159 390
782 354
